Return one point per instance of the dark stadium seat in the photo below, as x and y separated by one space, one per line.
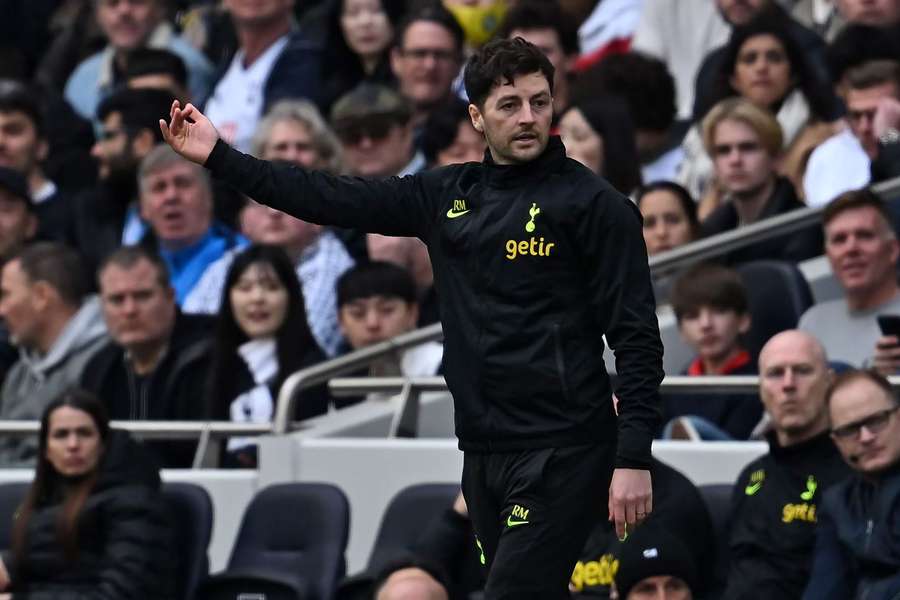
406 517
290 546
718 500
778 295
192 518
11 496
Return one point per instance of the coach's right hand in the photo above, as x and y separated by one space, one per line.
189 132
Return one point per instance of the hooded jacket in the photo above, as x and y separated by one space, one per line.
534 263
124 537
36 380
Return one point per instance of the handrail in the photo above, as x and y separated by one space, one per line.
716 245
155 430
358 359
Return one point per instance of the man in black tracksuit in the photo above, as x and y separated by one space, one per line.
535 259
777 498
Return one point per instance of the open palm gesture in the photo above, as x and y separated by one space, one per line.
189 132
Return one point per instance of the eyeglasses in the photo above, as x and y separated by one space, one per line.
374 129
873 424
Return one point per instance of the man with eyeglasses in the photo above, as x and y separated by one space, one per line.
774 503
858 541
427 58
844 161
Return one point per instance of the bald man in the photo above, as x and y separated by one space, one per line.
411 583
775 500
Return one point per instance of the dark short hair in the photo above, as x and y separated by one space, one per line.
139 109
441 127
375 278
643 82
529 15
708 285
855 199
431 13
499 62
873 73
871 375
127 257
858 44
687 203
18 97
59 266
156 61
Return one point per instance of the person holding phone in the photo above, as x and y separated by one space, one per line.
862 250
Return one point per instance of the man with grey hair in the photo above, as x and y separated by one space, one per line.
292 131
862 250
177 204
774 502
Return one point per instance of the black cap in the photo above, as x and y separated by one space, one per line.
14 182
651 552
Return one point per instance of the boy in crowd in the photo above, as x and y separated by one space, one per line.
710 304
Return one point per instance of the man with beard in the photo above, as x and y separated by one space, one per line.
107 216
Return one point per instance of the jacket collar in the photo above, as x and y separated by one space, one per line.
506 176
817 446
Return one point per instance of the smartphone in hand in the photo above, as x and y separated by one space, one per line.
889 324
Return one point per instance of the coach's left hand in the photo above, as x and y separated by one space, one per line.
630 498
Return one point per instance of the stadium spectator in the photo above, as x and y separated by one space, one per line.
648 89
378 301
18 221
154 68
745 143
44 303
129 25
763 64
862 250
426 58
739 13
545 25
598 133
358 41
670 216
293 131
710 304
374 125
156 363
18 226
108 215
176 203
93 522
24 147
448 137
273 62
680 510
856 538
680 34
655 564
261 338
773 516
844 161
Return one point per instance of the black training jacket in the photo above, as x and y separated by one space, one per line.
533 264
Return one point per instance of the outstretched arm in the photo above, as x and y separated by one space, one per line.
391 206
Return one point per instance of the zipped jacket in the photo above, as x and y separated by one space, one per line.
858 541
533 265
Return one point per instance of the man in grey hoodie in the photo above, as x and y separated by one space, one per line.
56 325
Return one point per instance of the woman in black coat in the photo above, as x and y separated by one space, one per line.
262 337
92 526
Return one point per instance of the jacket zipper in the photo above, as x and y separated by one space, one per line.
561 363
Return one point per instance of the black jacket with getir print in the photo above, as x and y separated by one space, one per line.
775 509
533 264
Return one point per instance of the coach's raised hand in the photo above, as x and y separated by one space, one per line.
189 132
